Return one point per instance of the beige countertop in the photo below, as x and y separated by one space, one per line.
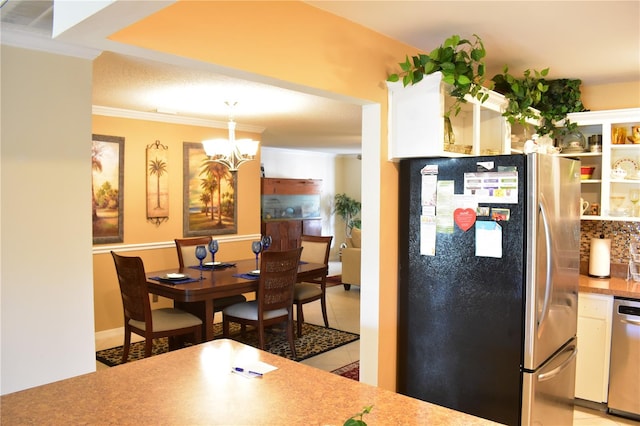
195 386
613 286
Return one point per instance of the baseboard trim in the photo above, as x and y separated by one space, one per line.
113 335
598 406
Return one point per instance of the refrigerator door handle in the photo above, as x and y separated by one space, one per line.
553 373
549 281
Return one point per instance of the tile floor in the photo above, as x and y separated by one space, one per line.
343 310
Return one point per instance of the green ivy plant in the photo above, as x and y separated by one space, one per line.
562 97
461 63
357 419
553 100
522 93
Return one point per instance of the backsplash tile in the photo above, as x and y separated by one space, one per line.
621 234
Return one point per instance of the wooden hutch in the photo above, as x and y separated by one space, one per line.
290 208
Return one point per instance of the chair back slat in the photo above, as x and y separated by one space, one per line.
278 272
186 248
133 287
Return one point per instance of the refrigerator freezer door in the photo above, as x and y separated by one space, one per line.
461 315
548 393
553 256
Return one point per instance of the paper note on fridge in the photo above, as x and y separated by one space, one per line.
492 187
488 239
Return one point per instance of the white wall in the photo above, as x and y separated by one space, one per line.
339 173
46 278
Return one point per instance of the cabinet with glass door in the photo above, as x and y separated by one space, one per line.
612 191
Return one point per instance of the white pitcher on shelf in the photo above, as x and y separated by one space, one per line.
584 205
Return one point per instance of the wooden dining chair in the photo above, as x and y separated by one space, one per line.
274 298
315 250
186 248
139 318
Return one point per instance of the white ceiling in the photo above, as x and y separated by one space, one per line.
596 41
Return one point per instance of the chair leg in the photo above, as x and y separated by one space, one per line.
261 336
323 304
127 345
292 344
225 327
299 318
148 345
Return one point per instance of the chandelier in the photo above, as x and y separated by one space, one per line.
231 152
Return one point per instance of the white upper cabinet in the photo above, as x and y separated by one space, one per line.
417 127
608 194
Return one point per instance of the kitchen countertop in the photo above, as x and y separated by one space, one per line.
614 286
195 386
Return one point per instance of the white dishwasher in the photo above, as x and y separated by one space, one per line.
624 375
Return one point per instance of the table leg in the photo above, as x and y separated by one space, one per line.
208 320
204 311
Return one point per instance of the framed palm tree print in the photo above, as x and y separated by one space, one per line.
210 191
157 183
107 188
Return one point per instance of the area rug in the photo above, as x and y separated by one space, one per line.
350 371
314 341
334 280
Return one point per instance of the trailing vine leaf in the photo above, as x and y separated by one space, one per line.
554 99
357 419
562 98
461 63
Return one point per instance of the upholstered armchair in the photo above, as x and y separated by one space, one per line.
351 260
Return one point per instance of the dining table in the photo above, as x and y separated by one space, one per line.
197 294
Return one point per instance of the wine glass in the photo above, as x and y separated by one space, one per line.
266 242
256 247
616 203
201 254
634 196
213 248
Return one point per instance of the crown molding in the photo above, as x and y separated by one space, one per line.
169 118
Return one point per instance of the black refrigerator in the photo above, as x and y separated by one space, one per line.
488 285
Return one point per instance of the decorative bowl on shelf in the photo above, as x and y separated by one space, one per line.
586 172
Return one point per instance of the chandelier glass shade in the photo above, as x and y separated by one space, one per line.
231 152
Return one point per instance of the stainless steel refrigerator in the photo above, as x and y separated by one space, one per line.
488 290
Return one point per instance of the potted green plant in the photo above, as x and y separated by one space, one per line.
562 98
461 63
534 97
347 208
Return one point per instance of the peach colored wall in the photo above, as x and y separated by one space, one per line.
611 96
296 43
138 135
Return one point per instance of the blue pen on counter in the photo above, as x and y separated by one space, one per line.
242 370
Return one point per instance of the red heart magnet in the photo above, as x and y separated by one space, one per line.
464 218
